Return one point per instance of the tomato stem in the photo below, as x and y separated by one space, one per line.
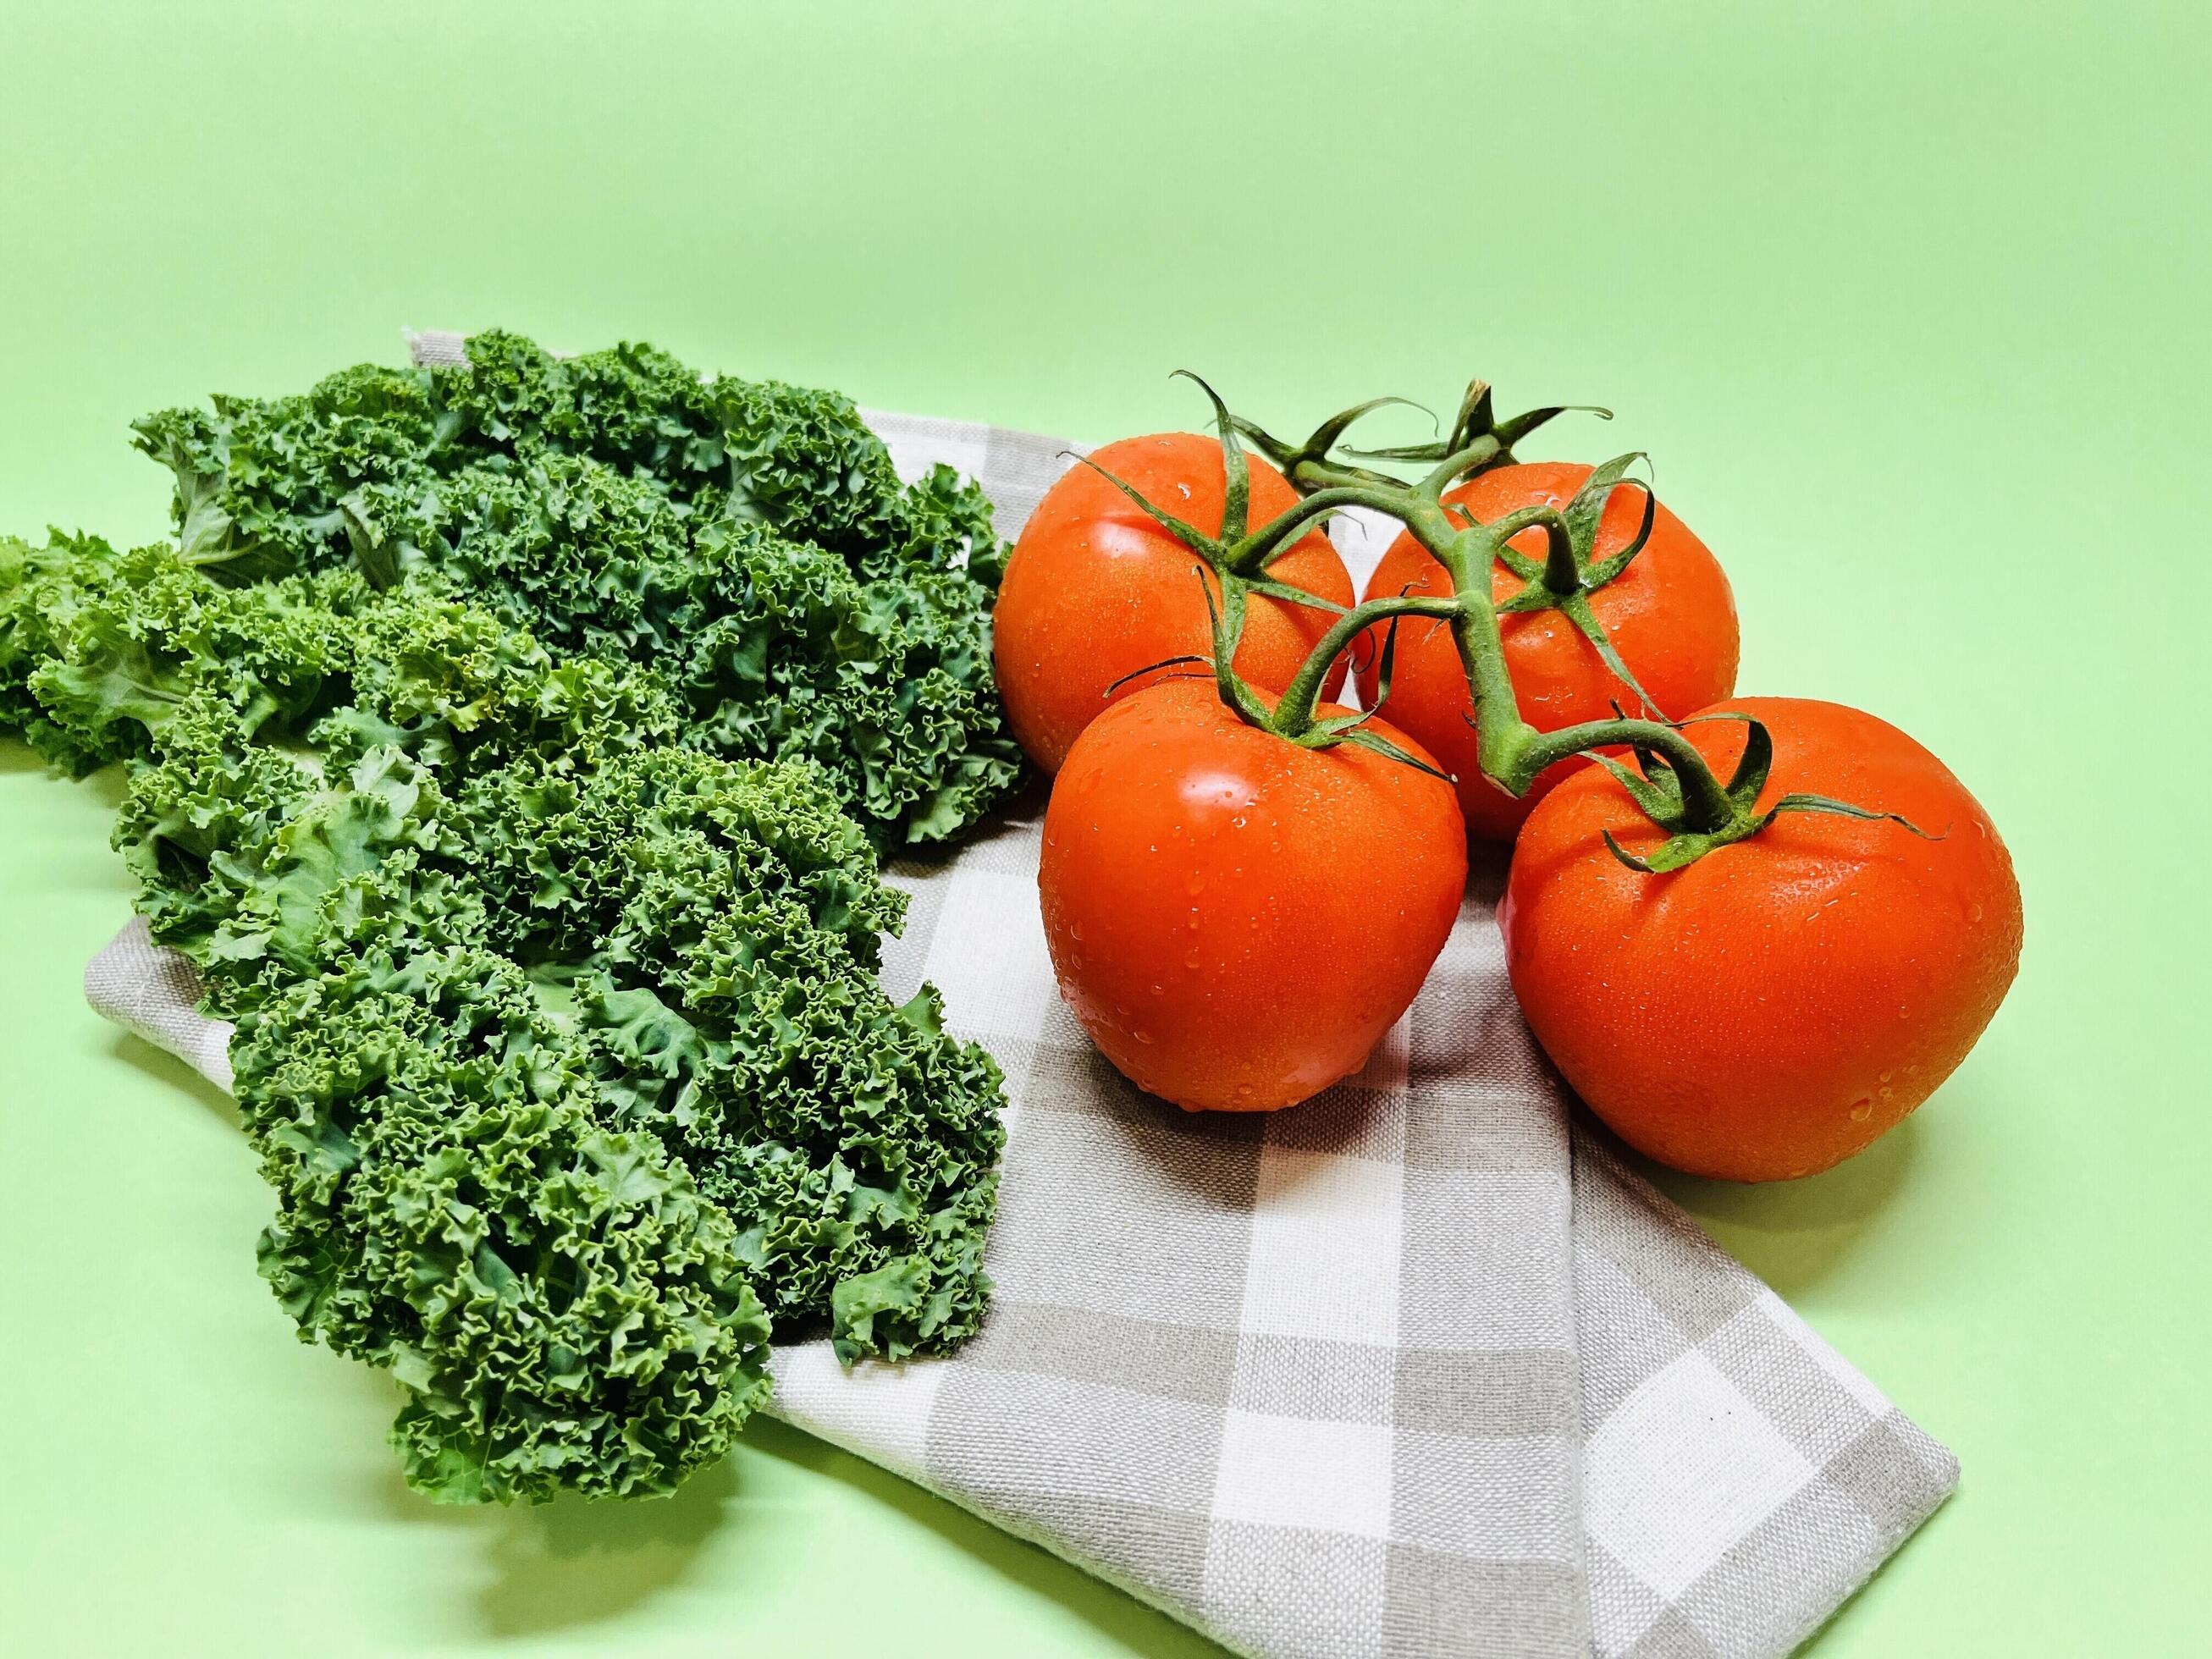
1697 808
1512 752
1250 555
1706 807
1294 711
1563 572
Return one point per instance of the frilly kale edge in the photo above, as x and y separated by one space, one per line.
747 540
511 748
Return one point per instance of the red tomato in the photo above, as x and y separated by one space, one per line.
1234 920
1670 615
1095 590
1771 1009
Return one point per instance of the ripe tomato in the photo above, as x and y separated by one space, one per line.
1670 615
1234 920
1095 590
1771 1009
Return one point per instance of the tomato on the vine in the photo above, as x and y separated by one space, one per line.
1097 591
1771 1008
1670 615
1238 919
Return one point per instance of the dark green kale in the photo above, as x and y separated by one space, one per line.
747 540
462 893
510 748
562 1306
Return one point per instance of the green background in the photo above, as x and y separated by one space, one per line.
1908 302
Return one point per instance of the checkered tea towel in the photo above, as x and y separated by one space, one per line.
1417 1368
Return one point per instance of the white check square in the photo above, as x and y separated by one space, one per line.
988 955
1324 1252
1296 1472
1684 1468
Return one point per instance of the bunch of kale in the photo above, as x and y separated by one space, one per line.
746 542
510 747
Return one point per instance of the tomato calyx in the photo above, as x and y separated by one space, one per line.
1567 575
1694 826
1239 556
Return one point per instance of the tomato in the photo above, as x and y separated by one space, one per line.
1234 920
1670 615
1096 591
1772 1008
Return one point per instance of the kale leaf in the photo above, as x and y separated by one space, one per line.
748 539
511 748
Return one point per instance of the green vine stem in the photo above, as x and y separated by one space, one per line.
1294 711
1675 788
1513 752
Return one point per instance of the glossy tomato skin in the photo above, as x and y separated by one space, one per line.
1095 590
1774 1007
1671 616
1236 922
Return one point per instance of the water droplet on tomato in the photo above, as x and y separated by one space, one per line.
1159 990
1861 1109
1191 922
1075 930
1190 957
1194 882
1975 913
1143 1036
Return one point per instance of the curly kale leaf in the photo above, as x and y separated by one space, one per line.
729 998
510 747
701 933
43 591
562 1306
283 485
595 502
780 651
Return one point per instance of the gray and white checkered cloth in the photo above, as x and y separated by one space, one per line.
1416 1368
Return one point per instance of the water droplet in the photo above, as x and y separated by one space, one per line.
1244 1091
1194 882
1885 1092
1975 913
1159 990
1861 1109
1236 823
1143 1036
1190 957
1191 922
1075 930
1885 1077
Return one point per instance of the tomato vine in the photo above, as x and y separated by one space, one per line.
1677 788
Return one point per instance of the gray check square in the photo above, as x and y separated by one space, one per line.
1440 1603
